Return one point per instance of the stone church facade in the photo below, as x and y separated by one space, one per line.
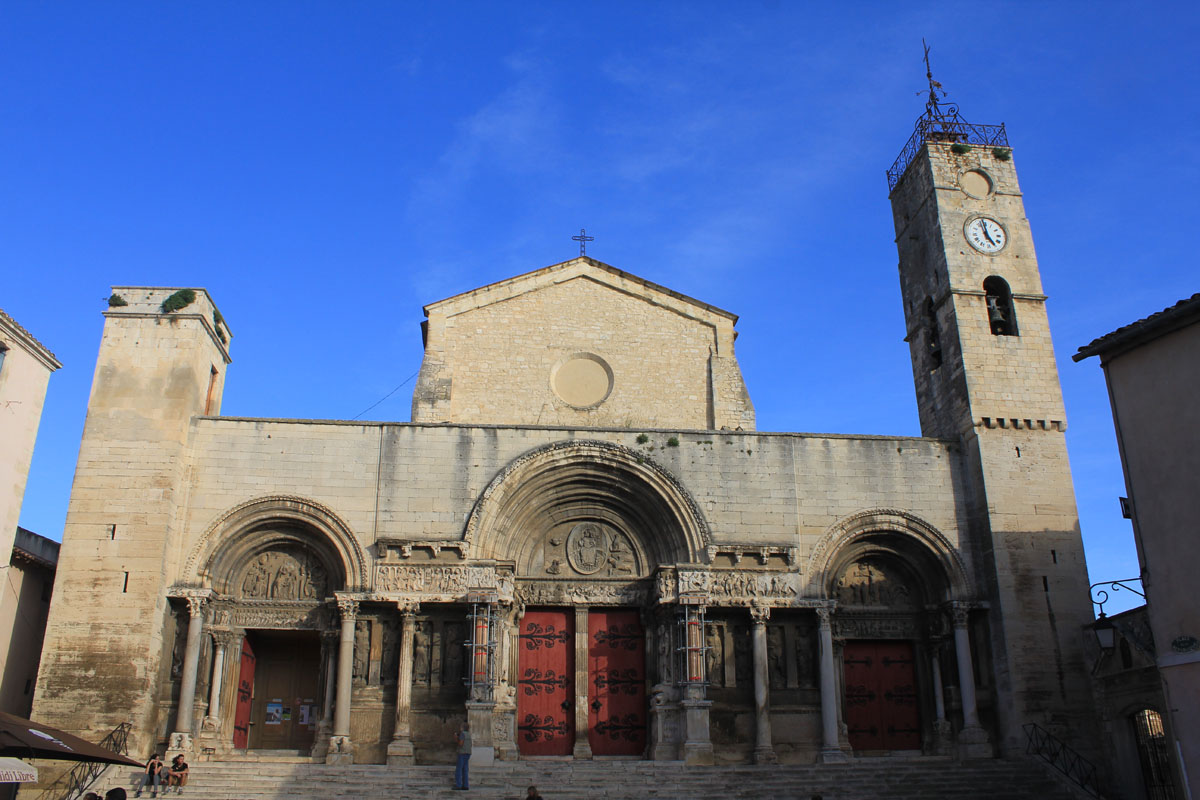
581 544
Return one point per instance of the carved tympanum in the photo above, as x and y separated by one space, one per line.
590 548
289 573
874 582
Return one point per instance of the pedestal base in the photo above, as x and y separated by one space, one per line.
698 754
832 755
974 743
765 755
400 752
341 750
181 742
943 738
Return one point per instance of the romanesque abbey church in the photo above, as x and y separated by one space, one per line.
581 544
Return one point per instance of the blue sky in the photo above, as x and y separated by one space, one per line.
326 169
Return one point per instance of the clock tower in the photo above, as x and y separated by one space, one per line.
986 377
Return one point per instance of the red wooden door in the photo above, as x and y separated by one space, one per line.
616 683
881 696
245 691
546 683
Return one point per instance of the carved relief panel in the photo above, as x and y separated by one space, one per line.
286 573
590 549
876 582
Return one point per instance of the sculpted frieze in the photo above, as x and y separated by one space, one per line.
539 593
738 587
848 626
271 615
439 582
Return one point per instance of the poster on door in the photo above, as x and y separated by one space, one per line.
274 714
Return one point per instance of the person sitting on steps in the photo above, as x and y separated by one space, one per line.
152 775
177 774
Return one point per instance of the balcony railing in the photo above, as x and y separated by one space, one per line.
945 125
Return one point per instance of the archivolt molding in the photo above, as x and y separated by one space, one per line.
292 508
485 524
845 532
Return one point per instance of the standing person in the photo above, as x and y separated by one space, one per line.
532 794
115 794
177 774
152 775
463 738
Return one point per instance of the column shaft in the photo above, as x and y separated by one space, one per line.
191 665
345 668
764 753
966 675
400 750
831 750
583 748
939 702
218 675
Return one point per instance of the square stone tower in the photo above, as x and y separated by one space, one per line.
162 361
985 376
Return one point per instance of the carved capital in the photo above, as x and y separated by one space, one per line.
960 613
222 638
824 617
760 614
347 606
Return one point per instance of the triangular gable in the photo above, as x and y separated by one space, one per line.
582 267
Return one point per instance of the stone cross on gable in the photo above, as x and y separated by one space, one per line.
583 239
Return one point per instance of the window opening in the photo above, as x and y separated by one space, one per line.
3 351
1153 754
1001 316
125 586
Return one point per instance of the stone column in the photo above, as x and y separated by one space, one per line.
664 710
583 748
941 726
221 642
972 739
764 753
341 750
181 739
831 752
400 749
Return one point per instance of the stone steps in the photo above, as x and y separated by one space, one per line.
862 779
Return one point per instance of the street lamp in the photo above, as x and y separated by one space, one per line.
1106 633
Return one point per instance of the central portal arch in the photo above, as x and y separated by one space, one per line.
585 524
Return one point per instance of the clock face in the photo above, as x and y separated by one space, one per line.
986 235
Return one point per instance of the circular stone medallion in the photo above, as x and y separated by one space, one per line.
975 183
588 546
582 380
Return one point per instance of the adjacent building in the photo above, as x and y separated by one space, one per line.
26 559
1152 368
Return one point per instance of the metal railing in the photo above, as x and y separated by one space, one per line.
1040 742
943 124
77 781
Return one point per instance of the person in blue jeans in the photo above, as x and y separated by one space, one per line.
463 738
152 775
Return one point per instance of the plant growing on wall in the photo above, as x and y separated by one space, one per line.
181 299
960 148
1002 153
115 301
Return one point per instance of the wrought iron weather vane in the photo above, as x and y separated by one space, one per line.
932 106
583 239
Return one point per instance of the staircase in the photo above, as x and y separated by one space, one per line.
862 779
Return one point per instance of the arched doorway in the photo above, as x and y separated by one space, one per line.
268 569
902 633
586 525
